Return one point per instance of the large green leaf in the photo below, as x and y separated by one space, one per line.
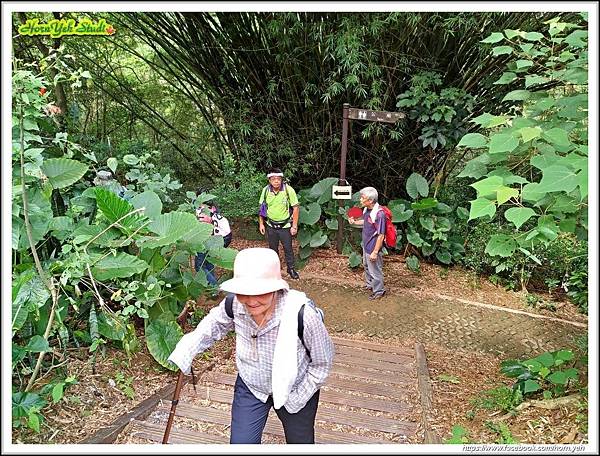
488 186
501 245
502 142
557 136
519 215
424 204
223 257
517 95
475 169
170 228
150 201
200 235
529 133
304 237
62 172
28 293
417 185
23 402
121 265
473 140
318 239
37 344
321 191
503 194
354 260
493 38
310 215
331 224
530 386
557 178
111 326
114 208
84 233
162 336
481 207
20 310
486 120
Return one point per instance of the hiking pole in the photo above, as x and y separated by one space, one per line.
181 319
174 403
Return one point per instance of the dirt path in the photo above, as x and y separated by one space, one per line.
452 323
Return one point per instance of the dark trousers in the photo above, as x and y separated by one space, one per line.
249 416
275 235
208 267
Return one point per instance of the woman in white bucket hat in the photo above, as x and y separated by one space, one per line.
264 313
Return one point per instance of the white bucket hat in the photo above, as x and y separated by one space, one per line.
256 271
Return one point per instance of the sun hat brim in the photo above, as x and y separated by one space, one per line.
252 286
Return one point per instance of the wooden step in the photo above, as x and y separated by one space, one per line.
407 367
357 385
362 345
225 396
273 426
404 358
333 416
378 376
156 432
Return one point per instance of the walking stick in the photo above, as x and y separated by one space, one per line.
173 407
181 319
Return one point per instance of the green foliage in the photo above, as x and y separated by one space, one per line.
441 113
501 398
550 373
27 407
428 224
541 147
162 336
124 384
505 437
238 192
459 436
106 258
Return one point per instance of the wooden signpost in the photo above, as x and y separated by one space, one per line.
355 114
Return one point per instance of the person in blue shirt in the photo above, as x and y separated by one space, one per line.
373 234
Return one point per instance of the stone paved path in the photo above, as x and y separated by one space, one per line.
451 323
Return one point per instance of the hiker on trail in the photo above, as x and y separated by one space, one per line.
373 234
107 180
279 211
209 213
283 350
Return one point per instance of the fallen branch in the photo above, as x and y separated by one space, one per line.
549 404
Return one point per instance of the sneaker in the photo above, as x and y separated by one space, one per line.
375 296
293 274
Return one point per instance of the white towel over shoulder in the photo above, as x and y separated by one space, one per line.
285 360
373 214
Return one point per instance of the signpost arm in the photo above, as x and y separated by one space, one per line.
340 233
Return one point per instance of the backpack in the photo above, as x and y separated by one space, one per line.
391 237
229 312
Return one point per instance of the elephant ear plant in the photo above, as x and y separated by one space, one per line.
427 225
318 223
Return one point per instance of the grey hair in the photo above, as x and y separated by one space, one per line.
370 193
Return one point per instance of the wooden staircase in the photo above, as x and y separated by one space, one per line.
374 394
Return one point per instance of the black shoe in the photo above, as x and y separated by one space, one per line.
293 274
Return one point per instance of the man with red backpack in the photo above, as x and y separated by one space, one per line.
373 234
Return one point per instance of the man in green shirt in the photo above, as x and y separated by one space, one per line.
278 216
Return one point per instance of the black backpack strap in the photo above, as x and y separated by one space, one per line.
301 328
229 305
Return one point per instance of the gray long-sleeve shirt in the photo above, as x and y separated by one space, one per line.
254 355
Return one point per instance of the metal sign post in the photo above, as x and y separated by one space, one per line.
356 114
